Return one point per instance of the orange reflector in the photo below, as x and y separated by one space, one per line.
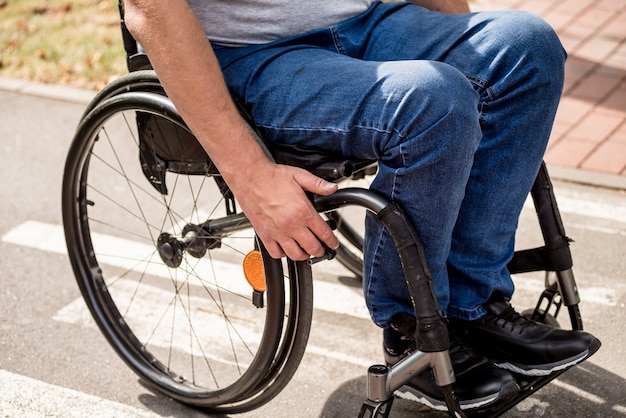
254 271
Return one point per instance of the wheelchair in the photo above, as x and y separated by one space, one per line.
188 297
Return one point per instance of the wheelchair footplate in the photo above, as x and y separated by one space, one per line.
528 385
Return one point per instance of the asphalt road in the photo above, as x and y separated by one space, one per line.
55 365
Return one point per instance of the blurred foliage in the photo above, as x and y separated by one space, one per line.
76 42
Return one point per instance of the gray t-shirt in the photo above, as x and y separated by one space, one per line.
247 22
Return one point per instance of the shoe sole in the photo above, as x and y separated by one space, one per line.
546 369
506 392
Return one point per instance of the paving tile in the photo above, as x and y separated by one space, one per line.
570 43
538 7
615 103
618 59
559 19
596 127
569 152
597 49
594 18
620 135
559 130
607 158
578 31
576 69
614 28
612 5
573 7
572 109
596 86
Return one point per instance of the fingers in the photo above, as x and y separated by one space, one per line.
324 234
290 248
302 244
273 248
320 232
284 217
314 184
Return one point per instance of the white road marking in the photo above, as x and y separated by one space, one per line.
145 320
531 282
585 204
24 397
337 298
619 409
579 392
143 317
534 405
594 210
580 203
600 229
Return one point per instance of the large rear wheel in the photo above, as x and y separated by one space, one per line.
158 250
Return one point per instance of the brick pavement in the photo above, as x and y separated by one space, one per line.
590 128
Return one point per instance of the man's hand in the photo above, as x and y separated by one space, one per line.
273 198
445 6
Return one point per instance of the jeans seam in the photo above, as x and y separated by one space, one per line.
488 90
482 84
335 35
338 130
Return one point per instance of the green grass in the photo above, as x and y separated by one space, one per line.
76 43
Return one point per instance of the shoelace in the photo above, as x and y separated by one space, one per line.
510 316
458 347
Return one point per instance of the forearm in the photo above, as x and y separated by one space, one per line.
271 195
190 73
444 6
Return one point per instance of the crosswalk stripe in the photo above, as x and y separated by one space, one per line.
338 298
585 204
25 397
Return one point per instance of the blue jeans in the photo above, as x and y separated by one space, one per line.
457 109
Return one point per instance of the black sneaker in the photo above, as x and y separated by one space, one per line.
524 346
478 384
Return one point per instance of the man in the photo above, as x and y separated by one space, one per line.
456 107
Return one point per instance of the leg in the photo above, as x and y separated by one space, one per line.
511 78
515 62
418 118
452 161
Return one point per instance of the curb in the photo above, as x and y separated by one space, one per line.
47 91
81 96
587 178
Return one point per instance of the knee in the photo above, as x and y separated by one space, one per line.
534 44
537 34
431 82
426 100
